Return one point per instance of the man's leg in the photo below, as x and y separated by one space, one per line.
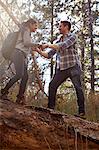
79 92
58 78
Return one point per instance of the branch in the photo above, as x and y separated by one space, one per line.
9 13
37 75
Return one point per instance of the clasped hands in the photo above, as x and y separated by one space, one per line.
40 47
43 46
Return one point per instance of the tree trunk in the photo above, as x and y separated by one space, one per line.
52 17
24 127
92 45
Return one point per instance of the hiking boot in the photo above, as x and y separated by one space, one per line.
21 100
80 115
50 106
4 94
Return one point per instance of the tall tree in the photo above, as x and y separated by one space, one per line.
91 44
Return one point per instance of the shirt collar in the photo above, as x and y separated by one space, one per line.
68 34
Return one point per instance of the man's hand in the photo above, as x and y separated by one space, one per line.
42 53
43 46
36 49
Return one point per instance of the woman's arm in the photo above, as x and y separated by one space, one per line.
42 53
27 39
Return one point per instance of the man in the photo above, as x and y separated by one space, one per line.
67 66
19 59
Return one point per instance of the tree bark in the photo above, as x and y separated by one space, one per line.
92 45
52 17
24 127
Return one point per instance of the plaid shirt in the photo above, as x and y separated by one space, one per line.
67 55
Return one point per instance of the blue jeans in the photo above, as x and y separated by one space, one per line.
19 61
60 76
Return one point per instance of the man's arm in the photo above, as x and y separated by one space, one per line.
52 46
45 54
61 45
67 43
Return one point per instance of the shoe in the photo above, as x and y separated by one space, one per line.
80 115
21 100
4 94
50 107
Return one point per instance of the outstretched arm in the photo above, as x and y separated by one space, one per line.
61 46
42 53
52 46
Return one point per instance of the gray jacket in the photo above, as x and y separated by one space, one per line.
24 41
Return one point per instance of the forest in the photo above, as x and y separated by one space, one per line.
34 126
83 15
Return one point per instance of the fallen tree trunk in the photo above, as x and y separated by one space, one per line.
26 127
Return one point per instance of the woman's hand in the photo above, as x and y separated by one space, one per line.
40 47
43 46
36 49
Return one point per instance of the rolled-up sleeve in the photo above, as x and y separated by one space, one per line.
67 43
51 53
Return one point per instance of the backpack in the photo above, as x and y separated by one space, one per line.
9 44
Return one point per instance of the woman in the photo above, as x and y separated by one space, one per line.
19 59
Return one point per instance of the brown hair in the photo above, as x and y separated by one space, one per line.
32 21
28 22
66 23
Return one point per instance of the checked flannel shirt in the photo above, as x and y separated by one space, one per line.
67 55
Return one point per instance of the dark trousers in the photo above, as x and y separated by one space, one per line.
18 59
59 77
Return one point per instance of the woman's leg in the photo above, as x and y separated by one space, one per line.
23 82
18 59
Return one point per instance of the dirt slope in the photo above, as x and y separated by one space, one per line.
28 128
